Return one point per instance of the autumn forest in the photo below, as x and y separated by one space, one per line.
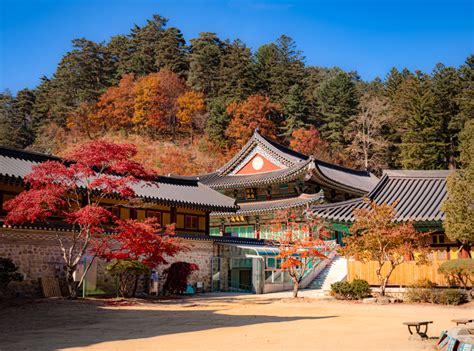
189 105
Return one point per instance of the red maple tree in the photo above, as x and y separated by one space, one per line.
73 190
145 241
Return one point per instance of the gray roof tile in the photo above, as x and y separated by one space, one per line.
15 164
355 181
261 207
420 195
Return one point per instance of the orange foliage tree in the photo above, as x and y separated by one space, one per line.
156 102
115 107
300 243
377 236
81 121
308 141
190 105
246 116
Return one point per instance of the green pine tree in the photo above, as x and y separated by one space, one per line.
423 144
218 120
205 56
236 73
338 102
15 119
82 75
171 52
279 66
144 43
459 207
295 110
446 86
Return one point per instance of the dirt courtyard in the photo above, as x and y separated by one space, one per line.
217 322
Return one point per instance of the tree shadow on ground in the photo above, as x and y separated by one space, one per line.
50 325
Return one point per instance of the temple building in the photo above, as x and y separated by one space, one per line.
265 177
418 196
33 247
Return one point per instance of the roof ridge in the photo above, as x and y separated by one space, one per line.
283 147
417 173
302 196
344 168
17 153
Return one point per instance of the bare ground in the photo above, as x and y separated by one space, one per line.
217 322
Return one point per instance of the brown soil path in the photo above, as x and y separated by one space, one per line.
217 322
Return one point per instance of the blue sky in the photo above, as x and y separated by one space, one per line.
367 36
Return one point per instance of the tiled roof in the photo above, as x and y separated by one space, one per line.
223 239
217 181
353 181
261 207
15 164
420 195
283 154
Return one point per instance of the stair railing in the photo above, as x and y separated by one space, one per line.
308 279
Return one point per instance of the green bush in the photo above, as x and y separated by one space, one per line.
360 288
458 272
452 297
341 290
357 289
422 291
127 273
8 273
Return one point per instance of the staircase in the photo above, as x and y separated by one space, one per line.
334 272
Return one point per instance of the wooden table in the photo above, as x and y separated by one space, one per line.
417 325
462 321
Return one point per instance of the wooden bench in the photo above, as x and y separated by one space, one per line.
417 325
462 321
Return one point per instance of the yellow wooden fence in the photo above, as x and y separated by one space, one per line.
405 274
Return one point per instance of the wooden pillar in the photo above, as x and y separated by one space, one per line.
257 227
173 215
207 223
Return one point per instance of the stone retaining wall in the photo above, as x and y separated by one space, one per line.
37 254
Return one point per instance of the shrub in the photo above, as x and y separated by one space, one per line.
422 291
357 289
360 288
452 297
458 272
341 290
177 277
8 273
127 272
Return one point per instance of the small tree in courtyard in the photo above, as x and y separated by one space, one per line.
376 236
177 277
127 273
8 273
137 244
300 243
73 190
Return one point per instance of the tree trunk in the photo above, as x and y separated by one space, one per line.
71 284
135 286
295 288
464 251
383 286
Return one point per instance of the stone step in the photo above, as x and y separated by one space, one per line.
335 271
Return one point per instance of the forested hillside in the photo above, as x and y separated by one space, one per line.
190 105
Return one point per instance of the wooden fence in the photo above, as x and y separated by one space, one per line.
405 274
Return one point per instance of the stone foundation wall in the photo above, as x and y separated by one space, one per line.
200 253
35 254
38 255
